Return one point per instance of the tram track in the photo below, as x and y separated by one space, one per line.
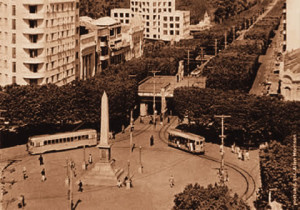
250 182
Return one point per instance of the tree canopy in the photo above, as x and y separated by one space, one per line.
212 197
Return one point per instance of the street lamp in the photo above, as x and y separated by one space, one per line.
222 147
154 109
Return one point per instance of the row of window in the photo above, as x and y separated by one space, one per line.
60 34
61 48
63 7
148 11
60 62
166 3
171 32
57 77
62 140
61 21
171 25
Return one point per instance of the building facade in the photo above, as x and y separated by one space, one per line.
292 24
161 20
114 43
39 41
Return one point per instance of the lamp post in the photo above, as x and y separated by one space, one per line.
154 109
222 147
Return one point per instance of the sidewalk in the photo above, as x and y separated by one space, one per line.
150 190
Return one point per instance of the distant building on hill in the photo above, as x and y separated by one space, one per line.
202 25
161 20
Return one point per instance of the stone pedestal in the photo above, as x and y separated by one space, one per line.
104 172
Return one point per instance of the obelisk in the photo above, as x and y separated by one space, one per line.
104 172
104 136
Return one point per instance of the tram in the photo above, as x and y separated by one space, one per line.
61 141
186 141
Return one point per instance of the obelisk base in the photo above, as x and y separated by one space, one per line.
104 172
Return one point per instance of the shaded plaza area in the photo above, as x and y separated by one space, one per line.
151 189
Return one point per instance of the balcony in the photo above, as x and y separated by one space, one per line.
36 60
33 2
33 16
32 75
33 31
38 45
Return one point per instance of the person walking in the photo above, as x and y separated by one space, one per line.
247 156
119 183
80 186
43 173
41 159
233 148
24 173
151 140
90 159
171 181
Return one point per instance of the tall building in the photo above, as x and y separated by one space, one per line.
290 76
39 41
161 20
292 24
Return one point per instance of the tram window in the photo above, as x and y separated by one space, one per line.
56 141
75 137
197 142
52 141
87 136
45 142
72 139
83 137
37 144
49 142
60 140
79 137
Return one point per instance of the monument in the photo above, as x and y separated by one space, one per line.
104 172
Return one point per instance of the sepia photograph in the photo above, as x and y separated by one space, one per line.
149 104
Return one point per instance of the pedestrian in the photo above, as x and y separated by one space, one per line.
123 128
247 156
80 186
239 154
243 154
24 173
43 173
132 148
90 159
171 181
151 140
21 204
119 183
41 159
233 148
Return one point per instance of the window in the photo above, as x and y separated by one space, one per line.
13 38
45 142
171 18
13 67
176 18
170 4
165 18
33 67
49 141
13 52
121 15
177 32
32 23
147 24
147 17
165 25
33 53
13 10
171 25
13 24
171 32
77 55
14 80
118 30
32 8
127 14
115 14
147 30
33 38
127 21
112 32
177 25
165 32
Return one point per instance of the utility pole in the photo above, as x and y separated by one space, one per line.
225 37
216 47
222 147
154 109
202 55
141 165
131 129
295 171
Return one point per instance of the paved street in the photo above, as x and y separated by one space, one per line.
150 190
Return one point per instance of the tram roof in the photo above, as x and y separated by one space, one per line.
63 133
187 135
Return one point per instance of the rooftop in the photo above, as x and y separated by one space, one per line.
169 83
105 21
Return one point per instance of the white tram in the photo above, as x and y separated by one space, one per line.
186 141
61 141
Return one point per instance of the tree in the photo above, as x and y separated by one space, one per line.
212 197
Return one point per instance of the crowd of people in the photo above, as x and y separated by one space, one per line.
241 153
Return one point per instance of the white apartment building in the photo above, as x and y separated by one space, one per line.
292 24
39 41
161 20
